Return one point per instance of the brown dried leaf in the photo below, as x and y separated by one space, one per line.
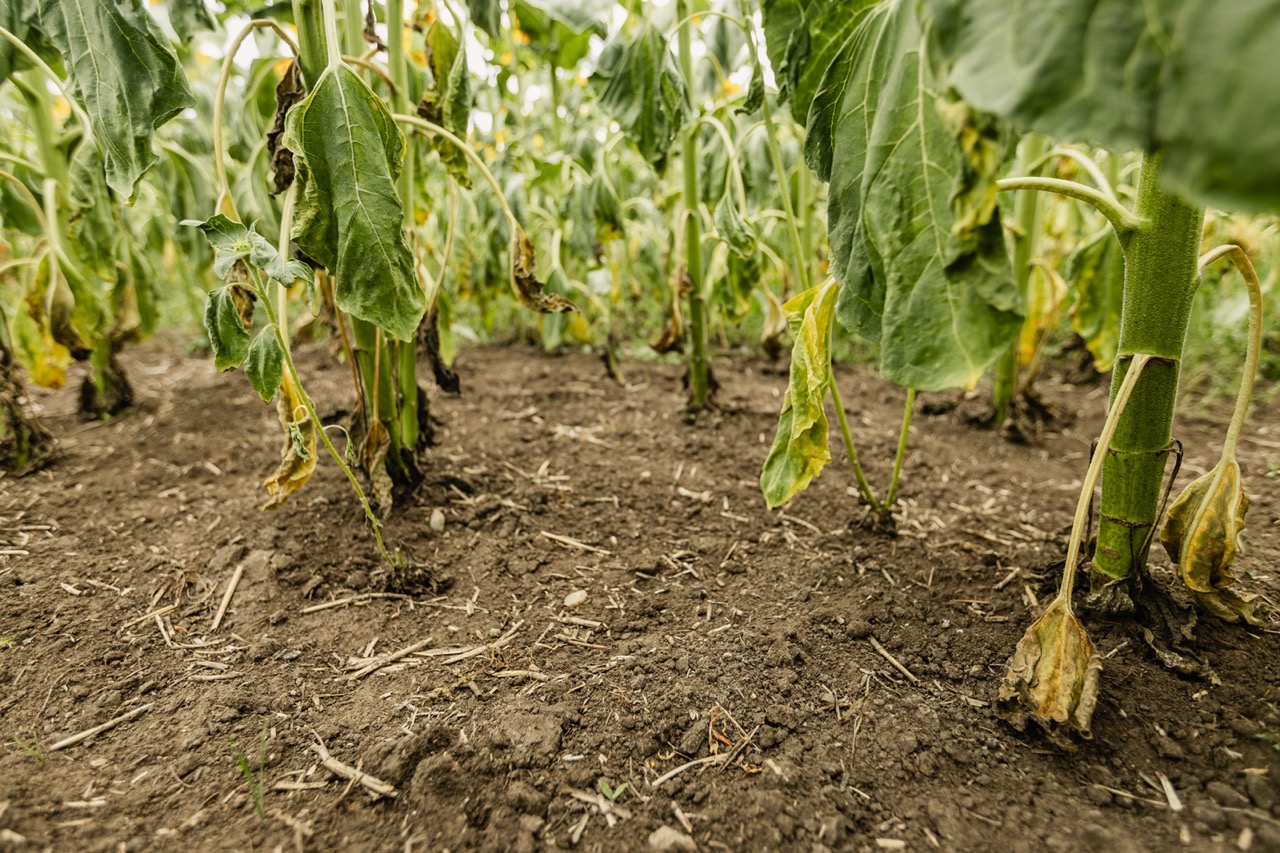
289 91
531 291
1202 535
298 457
1052 678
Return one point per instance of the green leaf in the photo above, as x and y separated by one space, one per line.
347 152
264 364
733 229
641 87
190 17
227 333
1194 79
561 30
755 92
800 450
1095 271
20 17
123 71
233 241
803 38
487 15
915 239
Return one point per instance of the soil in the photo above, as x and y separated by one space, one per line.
611 602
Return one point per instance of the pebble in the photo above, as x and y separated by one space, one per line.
576 598
1226 796
437 521
1262 792
666 838
1098 795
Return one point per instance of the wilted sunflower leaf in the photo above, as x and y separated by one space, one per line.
733 229
1202 535
298 455
1052 678
264 364
800 450
531 291
347 153
234 241
227 333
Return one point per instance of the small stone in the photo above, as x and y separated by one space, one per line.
186 765
666 838
1208 813
1262 792
1098 795
1168 748
1226 796
576 598
437 520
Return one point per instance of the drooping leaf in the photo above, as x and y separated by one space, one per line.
227 333
1052 678
732 228
803 38
190 17
298 453
532 292
641 87
561 30
347 152
123 71
289 91
487 15
233 241
1202 535
448 100
755 92
915 238
264 364
800 449
1095 274
1133 75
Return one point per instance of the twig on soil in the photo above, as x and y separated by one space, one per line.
574 543
391 657
884 653
364 596
226 598
346 771
479 650
697 762
169 608
88 733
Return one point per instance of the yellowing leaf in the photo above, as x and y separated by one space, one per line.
298 457
1202 535
800 450
1052 678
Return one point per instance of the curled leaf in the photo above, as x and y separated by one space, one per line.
1052 678
298 456
1202 535
800 450
531 291
289 91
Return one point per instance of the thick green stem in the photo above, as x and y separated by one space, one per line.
406 353
1026 215
1080 523
1160 279
313 49
699 369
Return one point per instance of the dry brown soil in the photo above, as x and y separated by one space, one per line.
614 603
